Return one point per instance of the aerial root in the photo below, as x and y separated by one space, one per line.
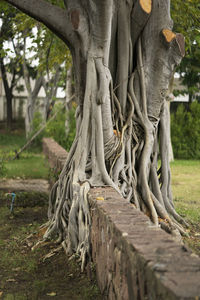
125 159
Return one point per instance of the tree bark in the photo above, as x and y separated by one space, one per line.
124 53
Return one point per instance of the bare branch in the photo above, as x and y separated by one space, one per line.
25 71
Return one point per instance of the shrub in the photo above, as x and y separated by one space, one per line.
2 168
56 128
72 128
37 123
185 132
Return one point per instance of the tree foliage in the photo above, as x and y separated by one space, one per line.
8 63
185 132
186 16
39 53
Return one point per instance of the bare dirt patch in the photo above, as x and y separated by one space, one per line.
33 185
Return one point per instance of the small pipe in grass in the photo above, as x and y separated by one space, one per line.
12 201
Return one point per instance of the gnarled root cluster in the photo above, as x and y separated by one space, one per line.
122 123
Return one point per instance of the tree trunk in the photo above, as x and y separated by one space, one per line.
30 107
69 93
170 98
9 96
29 116
171 153
32 94
50 86
124 53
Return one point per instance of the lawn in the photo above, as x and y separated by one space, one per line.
28 166
185 179
186 192
31 163
186 188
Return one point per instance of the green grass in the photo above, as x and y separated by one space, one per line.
31 163
12 141
185 177
186 192
27 167
186 188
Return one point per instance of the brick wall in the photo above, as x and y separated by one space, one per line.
55 154
134 259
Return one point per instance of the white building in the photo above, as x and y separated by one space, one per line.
19 100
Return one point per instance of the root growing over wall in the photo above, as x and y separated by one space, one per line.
128 54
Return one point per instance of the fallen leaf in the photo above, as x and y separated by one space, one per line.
11 280
194 255
1 293
16 269
42 231
30 244
52 294
100 198
124 234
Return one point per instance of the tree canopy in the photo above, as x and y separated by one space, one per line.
29 49
186 16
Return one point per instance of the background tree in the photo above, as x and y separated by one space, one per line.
41 57
124 53
186 16
32 91
11 68
69 93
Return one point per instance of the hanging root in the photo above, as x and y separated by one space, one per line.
147 192
69 216
121 133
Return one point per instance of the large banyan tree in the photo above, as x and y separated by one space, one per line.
124 53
